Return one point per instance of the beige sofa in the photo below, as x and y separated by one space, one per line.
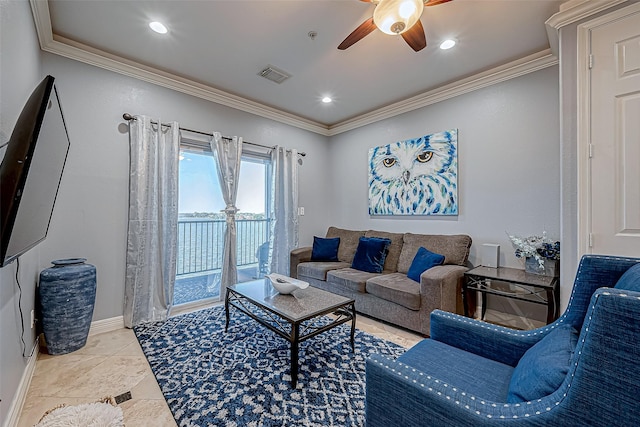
391 296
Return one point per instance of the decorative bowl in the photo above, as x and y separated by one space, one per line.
285 285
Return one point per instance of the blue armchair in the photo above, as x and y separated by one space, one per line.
581 370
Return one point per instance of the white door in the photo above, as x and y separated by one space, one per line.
615 137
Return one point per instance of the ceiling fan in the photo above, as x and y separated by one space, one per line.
394 17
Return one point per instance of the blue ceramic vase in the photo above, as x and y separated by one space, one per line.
67 298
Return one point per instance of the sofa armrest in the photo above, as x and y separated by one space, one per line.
442 281
297 256
494 342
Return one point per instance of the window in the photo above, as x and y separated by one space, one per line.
201 224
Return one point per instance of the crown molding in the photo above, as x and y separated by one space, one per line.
573 11
577 10
62 46
520 67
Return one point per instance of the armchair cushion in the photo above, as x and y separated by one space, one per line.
424 260
370 254
630 280
476 375
325 249
544 366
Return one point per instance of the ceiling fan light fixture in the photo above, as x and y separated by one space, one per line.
397 16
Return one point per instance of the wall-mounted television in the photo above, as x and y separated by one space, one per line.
31 172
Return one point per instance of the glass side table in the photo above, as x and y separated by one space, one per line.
511 283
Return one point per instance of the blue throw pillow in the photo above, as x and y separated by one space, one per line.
630 280
325 249
424 260
543 367
370 255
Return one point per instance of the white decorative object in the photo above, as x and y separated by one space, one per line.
284 284
490 255
98 414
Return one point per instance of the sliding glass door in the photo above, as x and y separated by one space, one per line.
201 224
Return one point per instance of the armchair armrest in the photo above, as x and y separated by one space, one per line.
494 342
297 256
420 400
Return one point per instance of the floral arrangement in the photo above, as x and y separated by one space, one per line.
538 247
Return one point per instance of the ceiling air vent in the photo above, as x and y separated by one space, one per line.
274 74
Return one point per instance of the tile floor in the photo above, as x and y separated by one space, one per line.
113 363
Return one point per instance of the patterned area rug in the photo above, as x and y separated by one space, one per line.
241 378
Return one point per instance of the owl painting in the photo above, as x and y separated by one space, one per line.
415 177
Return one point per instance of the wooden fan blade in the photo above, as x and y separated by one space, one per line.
359 33
415 37
367 1
432 2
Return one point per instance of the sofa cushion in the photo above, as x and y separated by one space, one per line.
455 248
348 242
393 251
397 288
349 278
424 260
476 375
370 254
325 249
318 269
543 367
630 280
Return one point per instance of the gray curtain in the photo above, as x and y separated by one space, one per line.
284 208
228 153
153 221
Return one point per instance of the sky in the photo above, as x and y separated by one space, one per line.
200 189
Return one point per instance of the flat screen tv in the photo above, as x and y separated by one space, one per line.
31 171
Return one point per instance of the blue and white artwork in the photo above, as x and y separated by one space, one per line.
415 177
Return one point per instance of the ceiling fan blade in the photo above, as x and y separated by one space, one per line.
415 37
359 33
367 1
432 2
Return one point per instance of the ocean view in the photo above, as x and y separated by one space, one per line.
201 240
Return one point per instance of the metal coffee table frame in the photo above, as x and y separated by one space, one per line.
285 324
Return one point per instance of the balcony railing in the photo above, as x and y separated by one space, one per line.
201 243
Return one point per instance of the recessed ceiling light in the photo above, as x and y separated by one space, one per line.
447 44
326 99
158 27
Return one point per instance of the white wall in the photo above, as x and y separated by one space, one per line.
20 73
509 164
90 219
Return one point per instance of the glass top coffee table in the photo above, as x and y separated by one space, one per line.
294 316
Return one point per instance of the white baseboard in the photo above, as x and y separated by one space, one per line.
21 393
106 325
97 327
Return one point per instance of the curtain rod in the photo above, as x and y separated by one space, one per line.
129 117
